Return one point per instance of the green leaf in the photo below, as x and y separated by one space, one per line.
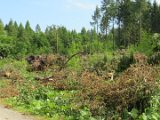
134 113
144 117
155 116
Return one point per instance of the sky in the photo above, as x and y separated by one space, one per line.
158 1
73 14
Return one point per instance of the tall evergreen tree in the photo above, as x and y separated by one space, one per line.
146 24
141 7
12 28
22 43
119 17
52 36
105 17
21 30
96 18
104 24
110 10
38 29
28 29
155 18
128 22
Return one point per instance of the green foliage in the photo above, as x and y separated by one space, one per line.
5 50
125 62
133 113
12 29
96 18
49 102
156 42
145 45
74 64
154 59
152 112
6 46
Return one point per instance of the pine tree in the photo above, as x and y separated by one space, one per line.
110 12
96 18
21 30
52 36
23 45
12 28
155 18
38 29
141 7
28 29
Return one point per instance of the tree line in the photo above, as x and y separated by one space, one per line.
126 20
116 24
20 40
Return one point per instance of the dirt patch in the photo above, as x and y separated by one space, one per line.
7 114
8 89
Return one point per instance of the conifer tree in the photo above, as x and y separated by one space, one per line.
96 18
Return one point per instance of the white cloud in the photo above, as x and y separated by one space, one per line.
158 1
80 5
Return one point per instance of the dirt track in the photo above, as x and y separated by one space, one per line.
7 114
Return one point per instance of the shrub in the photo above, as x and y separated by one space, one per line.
154 59
132 89
145 45
125 62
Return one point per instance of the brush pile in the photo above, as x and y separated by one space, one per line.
43 62
132 88
11 73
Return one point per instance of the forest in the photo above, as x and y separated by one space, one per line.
111 72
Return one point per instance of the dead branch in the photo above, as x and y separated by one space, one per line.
78 53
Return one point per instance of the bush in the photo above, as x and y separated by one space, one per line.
154 59
152 112
125 62
145 45
133 88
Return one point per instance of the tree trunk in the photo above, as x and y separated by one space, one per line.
97 27
113 35
57 41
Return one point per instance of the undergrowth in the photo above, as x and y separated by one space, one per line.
83 93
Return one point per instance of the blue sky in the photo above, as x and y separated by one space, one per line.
73 14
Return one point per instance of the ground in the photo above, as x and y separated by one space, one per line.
7 114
